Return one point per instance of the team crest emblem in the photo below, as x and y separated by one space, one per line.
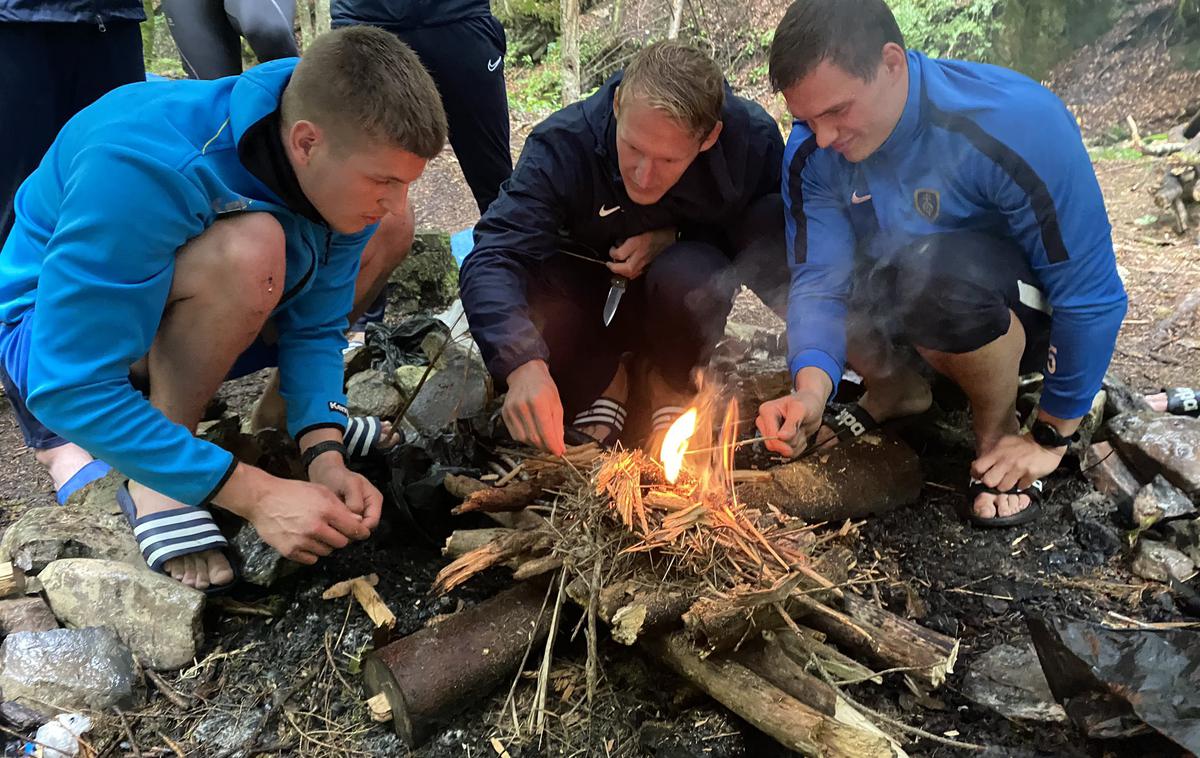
928 203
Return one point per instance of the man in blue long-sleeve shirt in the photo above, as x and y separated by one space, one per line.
949 206
672 182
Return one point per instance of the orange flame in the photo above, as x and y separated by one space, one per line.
675 444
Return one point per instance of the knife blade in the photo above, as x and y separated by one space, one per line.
615 290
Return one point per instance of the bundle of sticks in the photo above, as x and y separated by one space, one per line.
752 605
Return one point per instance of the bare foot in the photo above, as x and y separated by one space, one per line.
1158 401
199 570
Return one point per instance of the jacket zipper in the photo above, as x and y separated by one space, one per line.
308 274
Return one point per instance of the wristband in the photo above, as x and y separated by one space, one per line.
318 449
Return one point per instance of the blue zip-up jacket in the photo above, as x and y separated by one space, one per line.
1004 157
128 181
401 15
97 12
566 192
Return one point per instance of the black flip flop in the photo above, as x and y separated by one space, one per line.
1183 401
848 421
1031 512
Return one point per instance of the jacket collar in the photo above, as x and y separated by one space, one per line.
910 118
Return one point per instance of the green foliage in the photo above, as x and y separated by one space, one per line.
537 89
948 28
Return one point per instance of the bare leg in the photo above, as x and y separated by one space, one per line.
989 377
226 283
386 250
894 389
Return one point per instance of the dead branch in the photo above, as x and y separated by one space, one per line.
514 496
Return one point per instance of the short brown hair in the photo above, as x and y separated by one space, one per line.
679 79
850 34
359 81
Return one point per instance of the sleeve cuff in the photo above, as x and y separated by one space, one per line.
1065 406
818 359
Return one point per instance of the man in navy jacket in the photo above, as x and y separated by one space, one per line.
663 178
949 207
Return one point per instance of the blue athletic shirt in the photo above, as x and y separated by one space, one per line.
978 148
129 181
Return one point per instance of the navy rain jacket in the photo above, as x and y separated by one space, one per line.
406 14
97 12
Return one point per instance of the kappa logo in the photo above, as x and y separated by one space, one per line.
857 199
928 203
337 407
493 65
847 420
608 211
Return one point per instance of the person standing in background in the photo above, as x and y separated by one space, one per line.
208 33
56 58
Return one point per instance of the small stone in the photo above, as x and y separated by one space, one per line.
258 562
1158 561
1157 444
1109 475
66 670
371 393
1185 536
91 525
159 618
1160 500
20 716
1009 680
408 378
25 614
459 390
427 280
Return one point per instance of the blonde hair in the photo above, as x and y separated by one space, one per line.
361 82
678 79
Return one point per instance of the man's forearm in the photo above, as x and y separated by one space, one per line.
811 380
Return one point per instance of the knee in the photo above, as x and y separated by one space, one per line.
243 259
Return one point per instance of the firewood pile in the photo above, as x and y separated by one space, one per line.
750 604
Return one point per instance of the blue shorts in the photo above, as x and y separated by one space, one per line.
15 345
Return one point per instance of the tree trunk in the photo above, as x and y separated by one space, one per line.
676 17
570 51
304 15
322 21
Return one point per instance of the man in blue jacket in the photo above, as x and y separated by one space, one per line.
180 232
946 206
663 186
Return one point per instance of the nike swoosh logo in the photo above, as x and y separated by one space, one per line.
493 65
608 211
857 199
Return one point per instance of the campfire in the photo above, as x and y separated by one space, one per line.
751 604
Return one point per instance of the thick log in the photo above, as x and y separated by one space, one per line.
513 496
462 486
804 645
874 474
430 676
633 608
773 664
785 719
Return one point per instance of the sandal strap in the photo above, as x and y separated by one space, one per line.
1182 401
166 535
362 434
604 411
1033 491
96 469
665 416
849 421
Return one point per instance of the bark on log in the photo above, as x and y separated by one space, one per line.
874 474
463 541
506 548
806 645
789 722
773 664
463 486
430 676
633 609
513 496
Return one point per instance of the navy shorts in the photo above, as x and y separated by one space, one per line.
15 346
951 293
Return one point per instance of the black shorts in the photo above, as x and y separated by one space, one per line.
951 293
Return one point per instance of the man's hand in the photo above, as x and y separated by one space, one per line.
532 409
632 256
1015 461
789 421
359 495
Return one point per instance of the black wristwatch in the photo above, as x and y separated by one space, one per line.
318 449
1047 436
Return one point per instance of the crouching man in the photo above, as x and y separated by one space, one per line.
629 223
180 233
950 207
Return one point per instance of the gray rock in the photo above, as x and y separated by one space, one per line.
89 526
1095 526
25 614
459 390
408 378
20 716
427 280
227 729
66 670
1156 444
1090 424
1184 535
157 617
1158 561
372 393
1121 398
1009 680
1160 500
1104 467
258 562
